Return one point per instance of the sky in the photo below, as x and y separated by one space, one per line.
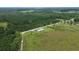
39 3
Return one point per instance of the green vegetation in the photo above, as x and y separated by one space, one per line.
13 23
9 39
61 37
3 25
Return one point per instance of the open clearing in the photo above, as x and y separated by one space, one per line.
62 37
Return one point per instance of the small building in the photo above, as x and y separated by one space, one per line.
41 29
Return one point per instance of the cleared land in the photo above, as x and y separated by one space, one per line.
61 37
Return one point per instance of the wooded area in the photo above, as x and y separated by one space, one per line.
10 38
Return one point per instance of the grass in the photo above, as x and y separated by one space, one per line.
62 37
3 24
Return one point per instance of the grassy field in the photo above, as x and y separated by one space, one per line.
61 37
3 25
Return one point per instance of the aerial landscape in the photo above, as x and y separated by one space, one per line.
39 29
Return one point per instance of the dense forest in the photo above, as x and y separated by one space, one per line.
26 21
16 22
